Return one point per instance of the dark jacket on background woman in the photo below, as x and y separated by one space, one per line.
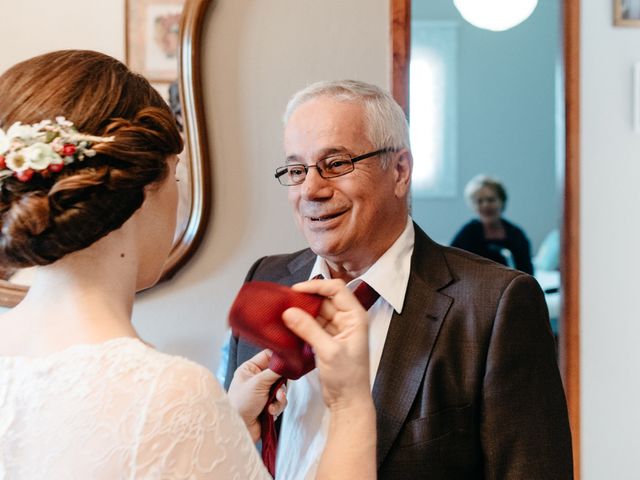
471 238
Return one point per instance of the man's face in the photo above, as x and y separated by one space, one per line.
353 218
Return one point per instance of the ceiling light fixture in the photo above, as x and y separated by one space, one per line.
495 15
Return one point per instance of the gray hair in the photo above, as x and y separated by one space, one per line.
480 181
385 121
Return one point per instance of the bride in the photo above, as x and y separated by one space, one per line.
87 191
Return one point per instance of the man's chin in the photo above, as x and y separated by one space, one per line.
322 249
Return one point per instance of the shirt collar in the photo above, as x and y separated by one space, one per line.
389 275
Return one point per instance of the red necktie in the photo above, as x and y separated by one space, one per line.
366 295
256 315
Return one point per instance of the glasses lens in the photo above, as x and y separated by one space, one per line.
291 174
335 166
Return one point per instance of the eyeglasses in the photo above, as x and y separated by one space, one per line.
329 167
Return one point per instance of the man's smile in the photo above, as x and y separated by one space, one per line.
324 218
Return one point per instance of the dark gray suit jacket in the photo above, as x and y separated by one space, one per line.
468 386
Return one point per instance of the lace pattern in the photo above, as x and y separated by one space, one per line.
118 410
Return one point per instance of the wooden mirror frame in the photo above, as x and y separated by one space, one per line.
196 143
196 140
569 339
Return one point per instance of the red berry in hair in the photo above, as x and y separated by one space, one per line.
55 167
3 163
25 175
68 150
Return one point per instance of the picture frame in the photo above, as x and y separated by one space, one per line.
152 37
626 13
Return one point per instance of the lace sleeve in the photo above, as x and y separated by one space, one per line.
191 431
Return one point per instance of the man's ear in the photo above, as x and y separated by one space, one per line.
402 166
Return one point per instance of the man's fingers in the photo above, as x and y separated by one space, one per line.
306 327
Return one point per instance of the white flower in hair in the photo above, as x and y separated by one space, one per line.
16 162
44 148
25 133
42 124
40 155
62 121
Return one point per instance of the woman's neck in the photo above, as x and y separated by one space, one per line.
85 297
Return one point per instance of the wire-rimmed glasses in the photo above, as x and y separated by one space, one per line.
330 167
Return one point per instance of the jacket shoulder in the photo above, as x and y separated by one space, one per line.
461 261
467 269
273 268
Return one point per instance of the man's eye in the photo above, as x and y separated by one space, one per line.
336 163
296 171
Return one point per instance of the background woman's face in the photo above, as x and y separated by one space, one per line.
487 205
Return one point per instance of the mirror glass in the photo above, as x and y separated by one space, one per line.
484 102
172 55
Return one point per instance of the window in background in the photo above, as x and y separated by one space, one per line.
433 93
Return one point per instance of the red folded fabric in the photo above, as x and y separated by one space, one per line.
256 315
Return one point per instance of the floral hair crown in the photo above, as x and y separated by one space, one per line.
43 148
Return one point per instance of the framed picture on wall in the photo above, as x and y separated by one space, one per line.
626 13
152 36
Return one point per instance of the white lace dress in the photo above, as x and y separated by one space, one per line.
118 410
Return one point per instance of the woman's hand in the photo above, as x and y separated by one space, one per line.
249 391
339 338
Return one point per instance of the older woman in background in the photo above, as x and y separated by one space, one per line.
490 235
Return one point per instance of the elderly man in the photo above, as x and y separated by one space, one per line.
463 366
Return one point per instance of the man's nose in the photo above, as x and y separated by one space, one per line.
314 186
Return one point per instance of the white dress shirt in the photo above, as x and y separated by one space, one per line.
305 422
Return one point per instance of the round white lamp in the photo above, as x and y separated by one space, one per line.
496 15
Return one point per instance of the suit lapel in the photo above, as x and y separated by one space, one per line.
300 268
410 340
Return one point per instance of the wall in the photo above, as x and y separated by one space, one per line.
610 257
506 119
31 27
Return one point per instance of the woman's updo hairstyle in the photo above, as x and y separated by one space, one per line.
50 216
